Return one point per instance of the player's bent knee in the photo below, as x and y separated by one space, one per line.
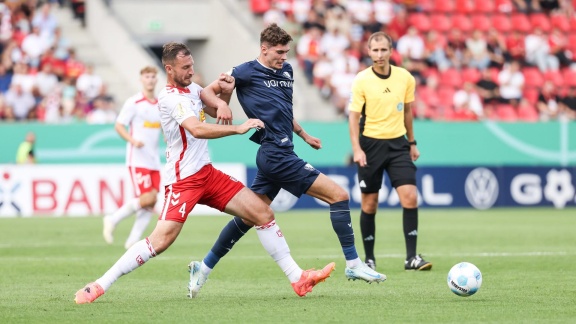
265 216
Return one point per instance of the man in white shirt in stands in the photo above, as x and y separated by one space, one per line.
139 113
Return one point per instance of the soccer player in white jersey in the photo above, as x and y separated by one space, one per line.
139 113
191 178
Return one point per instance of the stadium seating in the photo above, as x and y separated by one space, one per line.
541 21
502 23
506 113
481 22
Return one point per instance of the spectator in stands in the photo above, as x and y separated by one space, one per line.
467 103
558 43
20 103
308 50
511 82
411 45
68 99
340 84
428 105
103 112
516 47
45 82
5 78
73 67
548 101
333 43
549 6
45 20
89 84
456 49
34 45
399 24
568 103
538 51
488 91
384 11
336 18
323 71
496 49
360 10
274 15
60 44
23 77
434 51
477 49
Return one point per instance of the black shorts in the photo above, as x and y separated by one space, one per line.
392 155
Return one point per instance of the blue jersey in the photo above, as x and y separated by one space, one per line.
266 94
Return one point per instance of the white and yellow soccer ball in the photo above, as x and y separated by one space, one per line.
464 279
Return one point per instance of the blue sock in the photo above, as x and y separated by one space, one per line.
342 225
231 233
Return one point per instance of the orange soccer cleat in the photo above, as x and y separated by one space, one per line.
311 278
89 293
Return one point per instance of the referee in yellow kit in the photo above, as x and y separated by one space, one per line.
382 136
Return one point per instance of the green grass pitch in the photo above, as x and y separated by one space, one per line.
527 258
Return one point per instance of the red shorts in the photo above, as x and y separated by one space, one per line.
144 180
209 186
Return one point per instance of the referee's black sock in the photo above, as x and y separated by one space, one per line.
368 230
410 224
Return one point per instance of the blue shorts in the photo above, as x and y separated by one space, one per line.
282 169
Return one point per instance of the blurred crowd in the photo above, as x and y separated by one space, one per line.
41 77
504 60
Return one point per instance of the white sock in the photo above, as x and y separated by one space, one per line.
353 263
126 210
143 217
136 256
205 269
275 244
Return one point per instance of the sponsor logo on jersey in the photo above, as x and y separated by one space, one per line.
149 124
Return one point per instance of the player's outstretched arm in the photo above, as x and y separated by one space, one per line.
217 96
314 142
209 131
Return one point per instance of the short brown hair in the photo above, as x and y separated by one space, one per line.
173 49
379 36
274 35
148 69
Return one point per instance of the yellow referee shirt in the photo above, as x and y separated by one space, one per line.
380 99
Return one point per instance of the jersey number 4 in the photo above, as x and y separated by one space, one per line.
182 210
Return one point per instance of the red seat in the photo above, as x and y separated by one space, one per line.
440 23
572 42
560 21
532 77
540 20
502 23
471 75
420 21
506 113
569 77
531 94
520 22
554 76
446 96
573 23
481 22
444 6
451 77
465 6
528 113
494 73
486 6
462 22
260 6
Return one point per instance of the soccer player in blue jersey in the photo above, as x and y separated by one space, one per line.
264 88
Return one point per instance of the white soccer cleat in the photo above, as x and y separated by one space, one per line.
108 229
197 279
363 272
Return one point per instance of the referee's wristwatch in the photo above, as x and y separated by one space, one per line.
413 143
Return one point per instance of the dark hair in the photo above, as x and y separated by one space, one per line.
379 36
173 49
274 35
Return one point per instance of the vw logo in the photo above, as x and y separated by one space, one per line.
481 188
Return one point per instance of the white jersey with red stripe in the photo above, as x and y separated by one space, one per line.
185 154
143 118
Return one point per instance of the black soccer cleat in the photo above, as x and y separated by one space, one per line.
417 263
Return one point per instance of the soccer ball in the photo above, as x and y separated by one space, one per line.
464 279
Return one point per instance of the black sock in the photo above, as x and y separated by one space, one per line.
368 230
231 233
410 223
